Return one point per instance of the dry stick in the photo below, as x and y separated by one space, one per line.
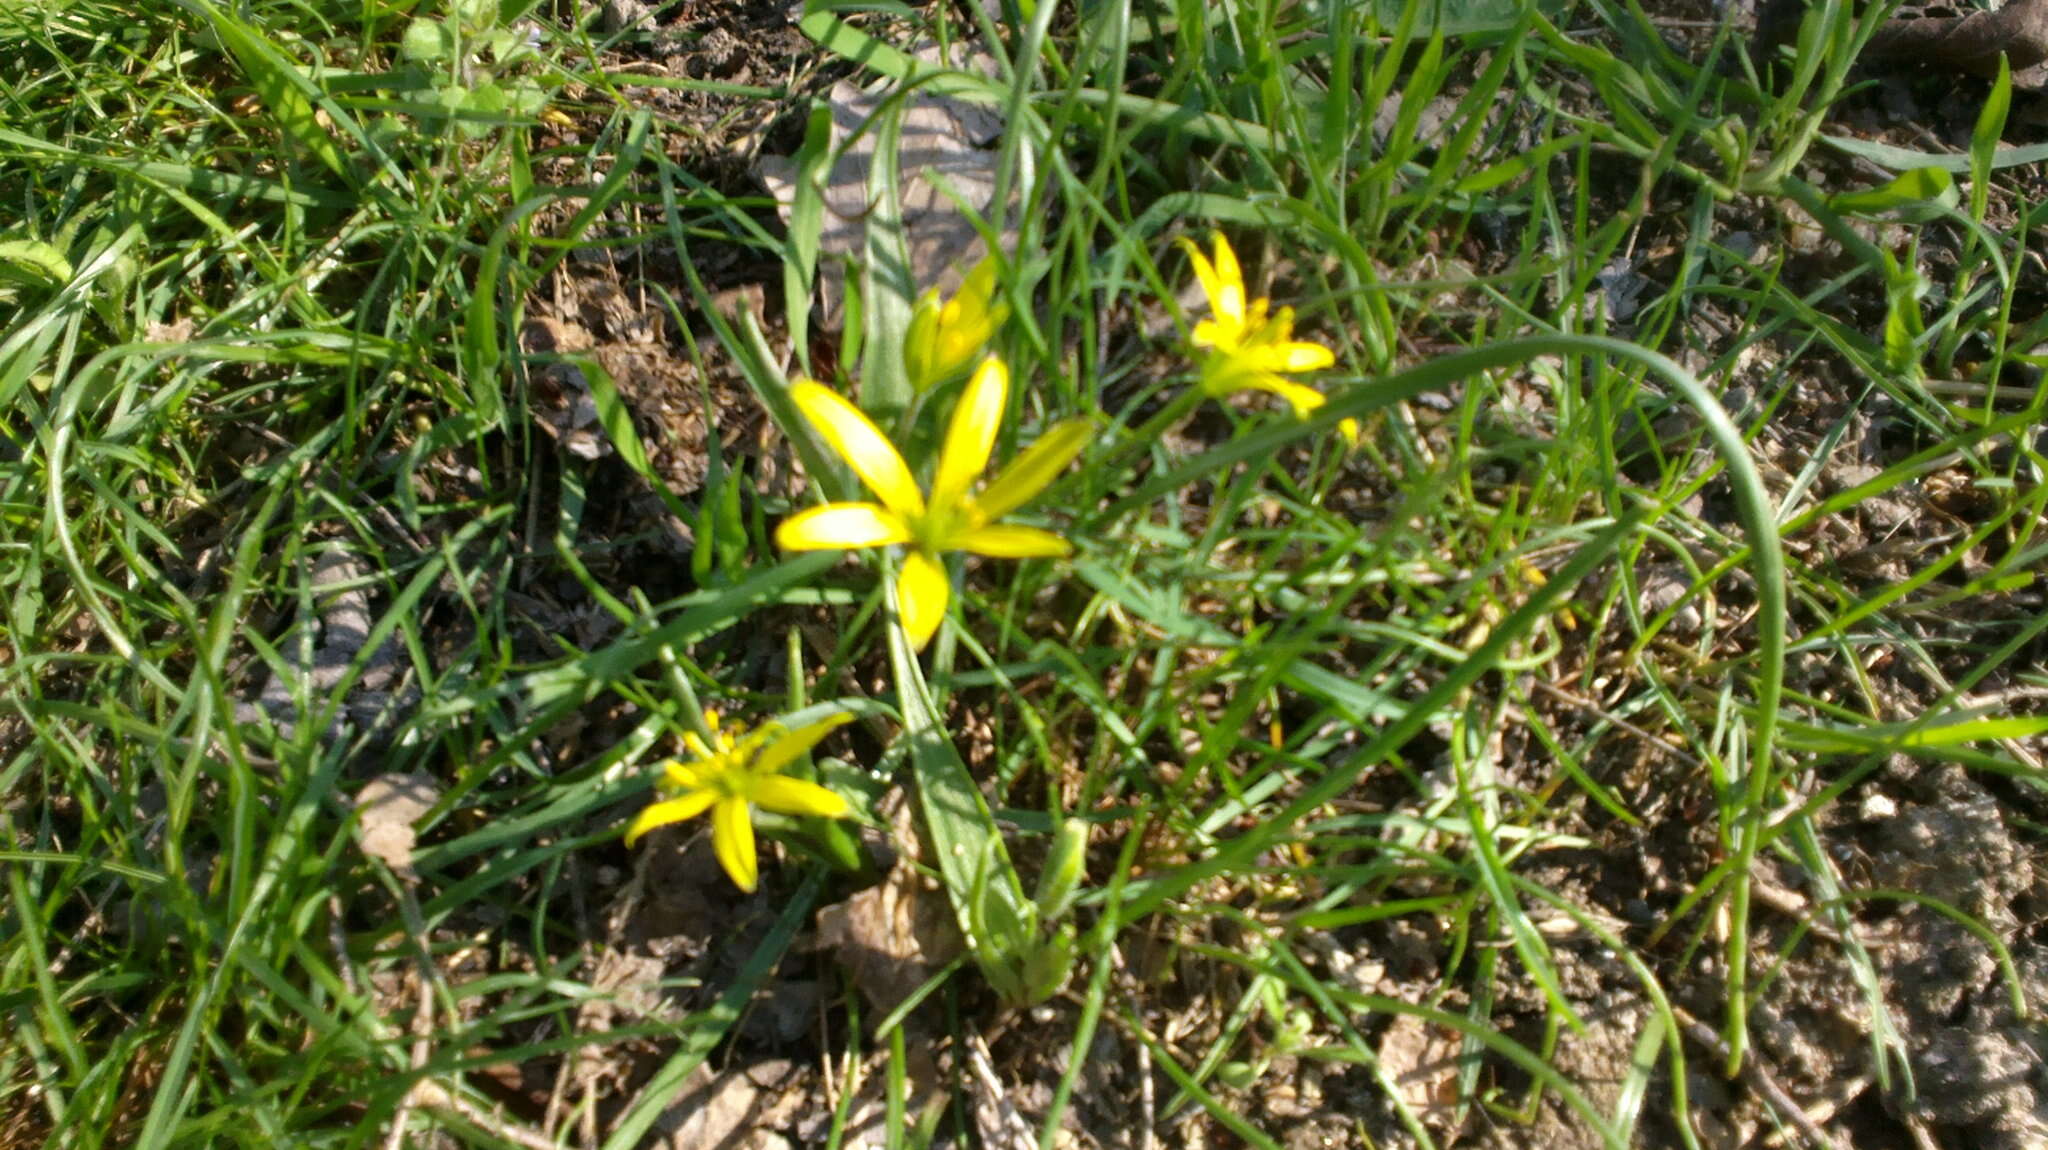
1757 1077
1147 1110
985 1073
426 1093
433 1096
1826 1109
337 937
551 1118
1606 716
422 1047
423 1016
1148 1113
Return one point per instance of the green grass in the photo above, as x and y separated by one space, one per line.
260 303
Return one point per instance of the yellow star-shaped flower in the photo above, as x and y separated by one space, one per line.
953 518
1249 345
734 773
944 337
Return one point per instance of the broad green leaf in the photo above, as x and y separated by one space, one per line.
1915 195
32 261
284 89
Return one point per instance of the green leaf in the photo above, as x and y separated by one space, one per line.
806 226
1899 159
972 862
1914 196
284 89
34 262
1463 17
427 41
1984 139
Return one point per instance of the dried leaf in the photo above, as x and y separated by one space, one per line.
892 937
1422 1060
939 157
386 809
1973 41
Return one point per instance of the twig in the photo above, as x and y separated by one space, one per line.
1758 1078
1148 1114
431 1095
337 938
1619 723
422 1017
1826 1109
985 1072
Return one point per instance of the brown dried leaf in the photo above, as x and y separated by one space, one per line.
1972 42
1422 1059
387 807
939 156
741 1109
891 937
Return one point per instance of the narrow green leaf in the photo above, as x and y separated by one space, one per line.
285 90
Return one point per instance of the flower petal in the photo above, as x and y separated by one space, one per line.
969 319
857 440
971 435
922 590
1216 334
1009 541
670 811
787 796
1348 428
1302 398
732 840
1037 466
791 745
841 525
1229 300
1294 357
678 776
920 342
1205 272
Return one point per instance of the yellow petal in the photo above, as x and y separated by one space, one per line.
792 744
1008 541
1216 334
1348 428
920 342
1219 293
671 811
971 435
1228 300
841 525
1037 466
1296 357
732 840
922 590
787 796
1303 399
969 319
679 776
857 440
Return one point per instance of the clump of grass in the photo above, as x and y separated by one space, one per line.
264 274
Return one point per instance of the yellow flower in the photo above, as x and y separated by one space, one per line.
944 338
1248 344
737 771
952 519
